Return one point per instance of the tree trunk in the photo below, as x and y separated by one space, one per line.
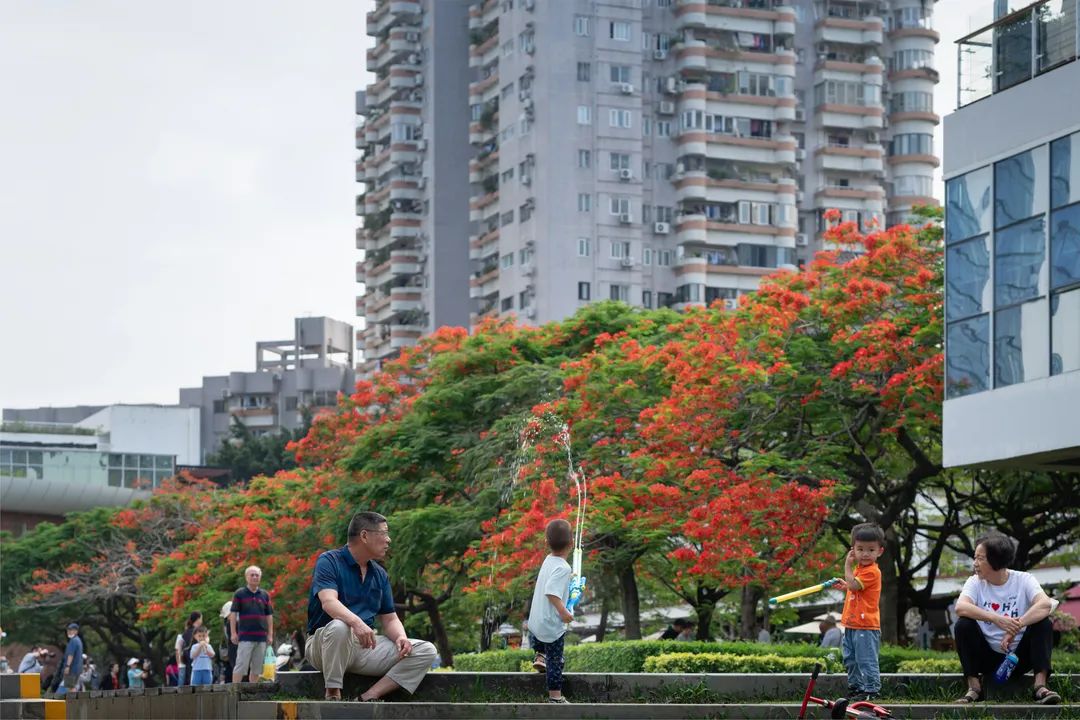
630 603
438 629
601 630
748 615
889 600
704 612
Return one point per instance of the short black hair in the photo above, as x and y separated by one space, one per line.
868 532
1000 549
683 623
365 520
559 535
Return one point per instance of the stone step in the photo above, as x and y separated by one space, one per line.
658 687
318 710
32 709
20 685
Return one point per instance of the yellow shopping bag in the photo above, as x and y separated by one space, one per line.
269 665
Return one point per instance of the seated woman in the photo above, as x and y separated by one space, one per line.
1000 611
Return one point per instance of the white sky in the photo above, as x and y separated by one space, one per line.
177 182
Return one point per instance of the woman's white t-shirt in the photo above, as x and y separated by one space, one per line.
1011 599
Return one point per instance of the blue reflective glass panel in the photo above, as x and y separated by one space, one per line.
1021 343
1065 246
1065 170
967 357
968 204
967 278
1065 332
1020 186
1020 262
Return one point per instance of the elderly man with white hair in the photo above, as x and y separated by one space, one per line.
251 621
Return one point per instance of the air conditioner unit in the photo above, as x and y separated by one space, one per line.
527 103
800 240
626 174
627 262
731 303
421 183
530 5
662 228
418 79
670 85
530 312
421 145
527 269
526 179
659 55
666 107
414 59
625 218
800 154
626 88
800 114
412 37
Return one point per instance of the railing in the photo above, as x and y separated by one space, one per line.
1016 48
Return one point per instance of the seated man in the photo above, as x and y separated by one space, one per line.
348 590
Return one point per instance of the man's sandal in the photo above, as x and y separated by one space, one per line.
1046 696
971 696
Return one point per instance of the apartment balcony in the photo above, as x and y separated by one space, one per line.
918 31
871 197
928 74
361 305
483 90
388 232
481 246
695 57
698 185
404 263
848 31
777 150
854 117
916 158
404 77
739 15
398 300
479 166
405 336
482 206
869 71
483 132
378 57
696 229
842 158
378 94
761 107
485 53
361 273
906 202
404 41
392 12
480 15
484 282
914 115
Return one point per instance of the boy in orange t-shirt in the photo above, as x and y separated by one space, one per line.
862 619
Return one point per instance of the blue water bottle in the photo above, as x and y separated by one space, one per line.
1005 669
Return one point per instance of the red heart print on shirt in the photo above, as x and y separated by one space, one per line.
994 605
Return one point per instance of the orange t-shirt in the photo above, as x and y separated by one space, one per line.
861 606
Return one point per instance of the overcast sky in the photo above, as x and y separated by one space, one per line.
177 182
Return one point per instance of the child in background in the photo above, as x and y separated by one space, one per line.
862 617
548 614
202 658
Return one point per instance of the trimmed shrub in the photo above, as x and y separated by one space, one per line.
929 665
730 663
492 661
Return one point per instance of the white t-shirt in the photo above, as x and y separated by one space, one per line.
1011 599
554 579
180 650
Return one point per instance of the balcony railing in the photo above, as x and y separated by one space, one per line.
1015 48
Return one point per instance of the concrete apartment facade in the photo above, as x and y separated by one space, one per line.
304 373
1012 295
659 152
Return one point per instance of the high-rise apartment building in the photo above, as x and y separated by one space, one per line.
1012 243
658 152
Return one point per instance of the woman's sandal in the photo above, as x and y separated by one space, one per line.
1046 696
971 696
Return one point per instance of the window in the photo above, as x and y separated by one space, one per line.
583 247
620 30
911 60
507 90
620 205
525 212
646 255
646 126
525 256
646 299
507 176
663 258
919 185
219 406
620 161
620 73
619 118
755 83
646 210
582 26
646 41
664 213
508 48
1020 187
968 203
663 128
583 291
507 133
688 293
620 248
506 218
477 111
913 144
507 303
506 261
584 202
584 158
836 92
584 72
620 293
912 102
663 299
584 115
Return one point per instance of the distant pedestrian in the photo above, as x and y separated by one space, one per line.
251 620
72 663
111 681
135 674
34 661
202 659
184 642
763 636
227 649
831 636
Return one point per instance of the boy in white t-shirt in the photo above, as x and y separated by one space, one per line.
1002 611
548 614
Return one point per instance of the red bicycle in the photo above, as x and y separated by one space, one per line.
842 708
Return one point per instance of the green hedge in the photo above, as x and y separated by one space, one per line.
730 663
629 656
930 665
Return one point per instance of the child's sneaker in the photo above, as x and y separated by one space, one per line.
559 700
540 663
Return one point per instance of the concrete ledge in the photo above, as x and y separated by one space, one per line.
14 686
32 709
311 710
650 687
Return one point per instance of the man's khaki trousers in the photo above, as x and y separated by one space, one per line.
334 650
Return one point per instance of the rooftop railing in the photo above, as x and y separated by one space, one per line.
1016 48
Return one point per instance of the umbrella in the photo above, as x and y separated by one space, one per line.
810 628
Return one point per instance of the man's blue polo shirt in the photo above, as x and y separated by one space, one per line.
366 598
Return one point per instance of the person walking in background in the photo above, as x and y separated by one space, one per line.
183 646
251 620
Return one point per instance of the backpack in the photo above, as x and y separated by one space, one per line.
188 643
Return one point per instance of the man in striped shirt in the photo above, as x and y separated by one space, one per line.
252 624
